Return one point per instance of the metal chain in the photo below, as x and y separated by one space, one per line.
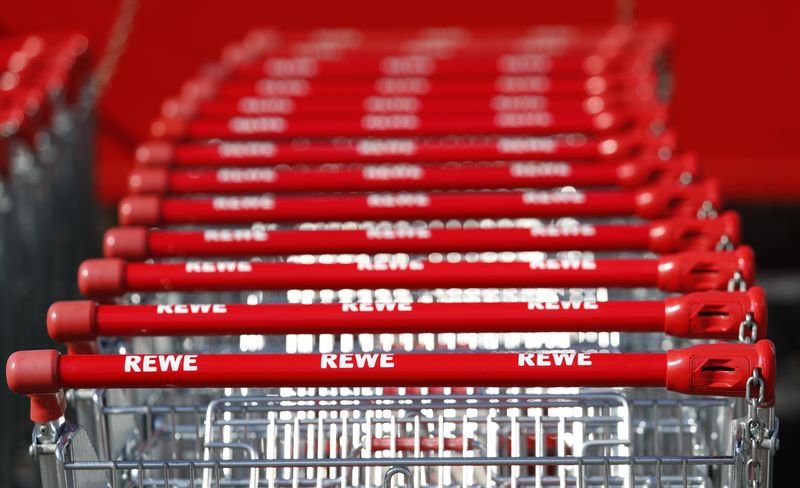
748 329
737 282
755 427
116 45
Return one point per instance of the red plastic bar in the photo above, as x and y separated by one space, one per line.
419 105
403 177
685 272
666 236
659 201
710 315
714 369
399 150
391 125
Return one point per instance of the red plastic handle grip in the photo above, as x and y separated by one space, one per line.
654 202
403 177
684 272
668 236
714 369
390 125
710 315
395 150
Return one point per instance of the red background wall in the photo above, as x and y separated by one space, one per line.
737 65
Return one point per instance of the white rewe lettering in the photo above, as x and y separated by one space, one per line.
553 198
246 175
283 88
549 359
385 172
521 145
392 266
401 233
377 307
524 63
160 363
407 66
291 67
398 200
250 125
235 235
564 305
195 308
402 86
359 361
534 170
256 106
578 230
386 147
523 119
218 267
263 202
246 150
389 122
563 264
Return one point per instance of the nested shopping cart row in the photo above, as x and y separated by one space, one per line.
440 257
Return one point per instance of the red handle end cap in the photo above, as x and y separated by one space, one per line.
125 242
72 321
139 210
102 277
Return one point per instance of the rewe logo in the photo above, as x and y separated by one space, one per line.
291 67
407 233
523 119
264 202
402 86
376 307
524 63
407 66
246 149
386 147
254 106
562 306
235 235
553 198
398 200
246 175
407 266
160 363
218 267
194 308
250 125
391 104
518 103
533 170
554 359
564 264
360 361
389 122
393 172
283 88
578 230
520 145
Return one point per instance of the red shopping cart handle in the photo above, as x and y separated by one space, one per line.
712 369
404 177
708 315
398 150
684 272
659 201
664 236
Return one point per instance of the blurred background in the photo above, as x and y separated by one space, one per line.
736 105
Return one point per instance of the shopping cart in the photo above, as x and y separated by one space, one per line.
465 330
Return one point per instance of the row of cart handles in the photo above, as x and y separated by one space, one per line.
697 252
